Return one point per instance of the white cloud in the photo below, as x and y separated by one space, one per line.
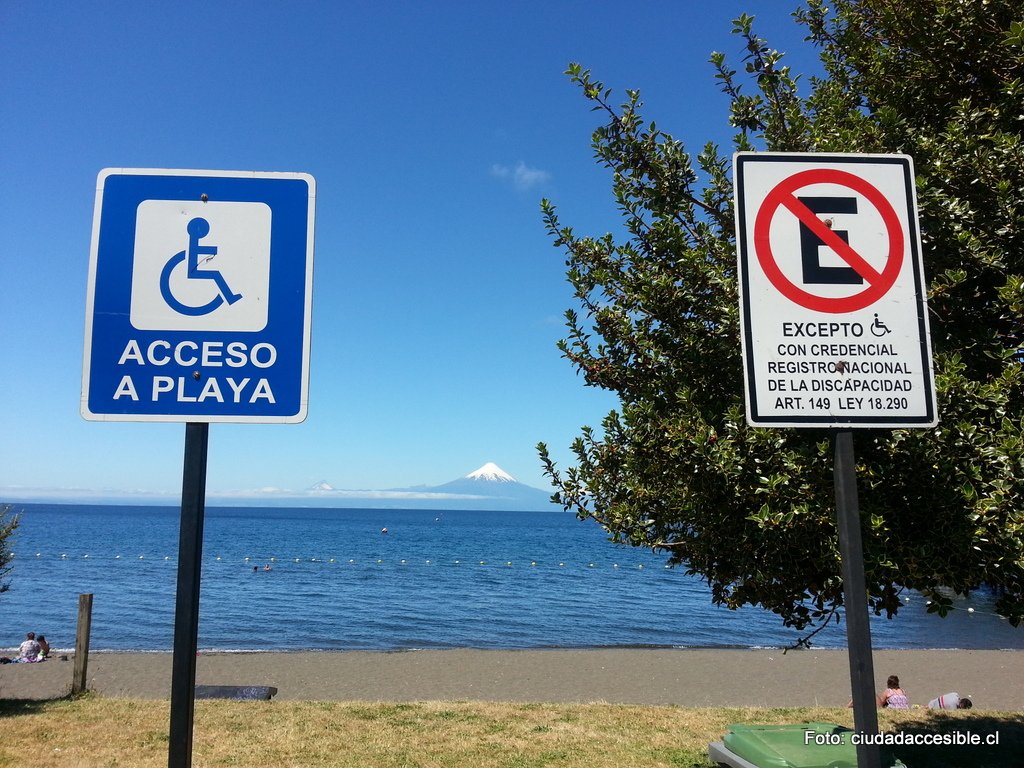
521 175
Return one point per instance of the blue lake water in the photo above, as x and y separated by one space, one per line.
437 579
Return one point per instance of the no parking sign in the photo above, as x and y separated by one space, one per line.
832 291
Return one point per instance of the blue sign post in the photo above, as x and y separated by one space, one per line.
198 310
200 287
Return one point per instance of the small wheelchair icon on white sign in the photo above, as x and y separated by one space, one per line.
201 266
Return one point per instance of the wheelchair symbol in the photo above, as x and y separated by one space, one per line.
197 228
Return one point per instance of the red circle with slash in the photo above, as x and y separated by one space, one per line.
783 196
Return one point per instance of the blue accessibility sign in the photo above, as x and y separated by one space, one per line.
199 298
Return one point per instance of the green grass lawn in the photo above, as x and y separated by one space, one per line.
92 731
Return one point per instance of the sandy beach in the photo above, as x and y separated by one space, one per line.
760 678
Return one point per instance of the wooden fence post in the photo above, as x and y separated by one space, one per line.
82 643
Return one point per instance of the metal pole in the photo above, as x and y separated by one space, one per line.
186 611
855 598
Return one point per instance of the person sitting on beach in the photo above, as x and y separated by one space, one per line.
44 647
894 696
29 650
950 701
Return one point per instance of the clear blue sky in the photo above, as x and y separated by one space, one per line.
433 131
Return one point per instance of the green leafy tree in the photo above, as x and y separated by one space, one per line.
8 523
751 510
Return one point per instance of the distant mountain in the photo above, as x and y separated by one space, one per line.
491 473
488 488
494 484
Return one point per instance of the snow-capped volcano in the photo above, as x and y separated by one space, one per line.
487 488
492 487
492 473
